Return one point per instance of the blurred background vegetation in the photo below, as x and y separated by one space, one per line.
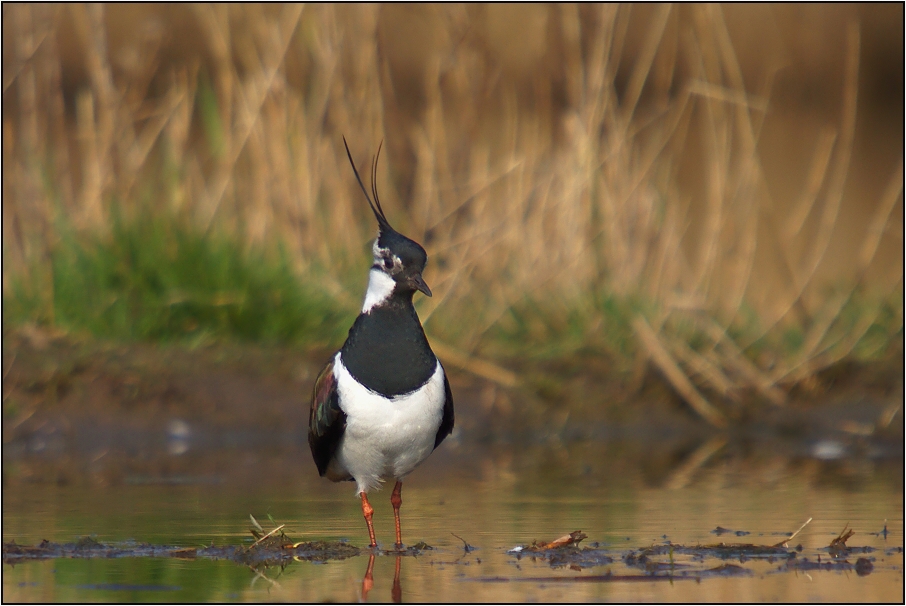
716 189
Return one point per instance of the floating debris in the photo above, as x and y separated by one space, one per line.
838 546
722 531
862 567
261 554
465 545
573 538
721 550
556 553
273 548
785 542
270 548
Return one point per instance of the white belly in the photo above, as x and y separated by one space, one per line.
385 438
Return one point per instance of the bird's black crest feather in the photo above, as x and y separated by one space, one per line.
375 205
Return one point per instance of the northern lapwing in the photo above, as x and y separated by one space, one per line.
383 403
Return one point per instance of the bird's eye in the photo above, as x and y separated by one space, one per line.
388 263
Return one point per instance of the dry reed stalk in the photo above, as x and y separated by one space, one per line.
571 31
19 135
215 27
827 357
748 182
98 112
827 222
662 358
27 85
784 543
741 261
833 351
734 358
139 150
251 94
879 221
725 196
814 180
265 536
134 141
739 162
467 248
643 62
474 365
798 279
717 158
12 215
838 173
707 366
670 262
58 134
92 161
616 22
500 206
815 361
728 96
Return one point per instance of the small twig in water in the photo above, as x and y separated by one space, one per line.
842 538
255 523
573 538
466 547
259 574
784 542
255 544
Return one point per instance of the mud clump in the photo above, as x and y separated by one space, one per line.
88 547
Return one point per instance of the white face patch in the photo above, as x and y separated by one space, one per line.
382 255
380 287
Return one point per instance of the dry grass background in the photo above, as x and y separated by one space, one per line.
677 174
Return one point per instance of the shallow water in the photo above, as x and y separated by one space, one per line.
494 497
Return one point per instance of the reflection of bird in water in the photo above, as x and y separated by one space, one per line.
383 403
396 594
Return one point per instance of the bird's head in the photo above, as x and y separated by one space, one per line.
398 261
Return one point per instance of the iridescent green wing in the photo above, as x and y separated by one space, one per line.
326 420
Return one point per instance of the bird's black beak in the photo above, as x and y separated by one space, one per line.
419 284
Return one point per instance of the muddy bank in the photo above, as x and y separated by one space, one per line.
268 388
170 413
272 554
656 562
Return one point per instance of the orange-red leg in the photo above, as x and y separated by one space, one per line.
396 499
368 511
368 581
